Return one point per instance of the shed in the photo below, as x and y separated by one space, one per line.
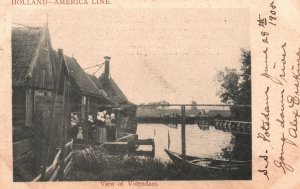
40 89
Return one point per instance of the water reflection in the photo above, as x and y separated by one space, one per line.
203 143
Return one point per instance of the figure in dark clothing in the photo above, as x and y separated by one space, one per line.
91 129
101 135
74 127
111 134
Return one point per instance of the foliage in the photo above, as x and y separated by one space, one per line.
100 167
239 148
236 89
229 80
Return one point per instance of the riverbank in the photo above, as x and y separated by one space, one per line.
95 166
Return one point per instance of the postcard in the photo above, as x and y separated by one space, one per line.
150 94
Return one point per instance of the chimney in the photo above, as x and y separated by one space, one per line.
60 52
106 69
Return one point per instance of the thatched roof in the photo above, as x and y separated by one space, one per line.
97 84
24 43
113 91
81 79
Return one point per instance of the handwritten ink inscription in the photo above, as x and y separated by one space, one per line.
280 111
266 120
281 162
265 170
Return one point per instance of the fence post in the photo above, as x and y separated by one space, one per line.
183 145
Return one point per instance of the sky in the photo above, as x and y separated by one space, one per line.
157 54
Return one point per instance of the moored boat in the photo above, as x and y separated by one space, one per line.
209 165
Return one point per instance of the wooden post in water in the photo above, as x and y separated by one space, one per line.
183 152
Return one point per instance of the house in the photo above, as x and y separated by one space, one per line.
85 96
40 90
109 85
125 110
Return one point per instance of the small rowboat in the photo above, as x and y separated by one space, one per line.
209 164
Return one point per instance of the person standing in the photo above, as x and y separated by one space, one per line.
91 129
101 135
108 127
112 127
74 127
80 134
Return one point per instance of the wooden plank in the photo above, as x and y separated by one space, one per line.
38 178
22 147
128 137
18 106
63 131
51 169
22 133
114 143
18 116
115 147
142 142
68 157
44 105
29 107
55 174
68 167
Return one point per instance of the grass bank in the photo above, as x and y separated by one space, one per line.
95 166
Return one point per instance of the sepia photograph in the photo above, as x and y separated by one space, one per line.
139 94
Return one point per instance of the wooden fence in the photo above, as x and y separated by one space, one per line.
60 166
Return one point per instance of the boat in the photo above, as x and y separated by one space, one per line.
210 165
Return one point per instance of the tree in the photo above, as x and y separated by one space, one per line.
235 88
229 80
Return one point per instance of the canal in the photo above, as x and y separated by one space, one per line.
203 143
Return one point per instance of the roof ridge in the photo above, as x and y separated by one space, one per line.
25 51
104 95
34 58
82 79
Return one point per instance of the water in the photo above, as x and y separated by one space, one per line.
202 143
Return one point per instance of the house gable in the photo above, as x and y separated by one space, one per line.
31 60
